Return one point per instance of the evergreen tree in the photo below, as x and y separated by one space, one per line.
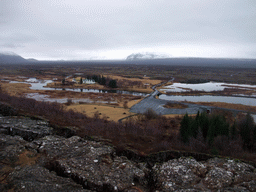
103 80
185 131
194 128
95 78
223 128
197 117
254 136
218 126
211 134
246 127
233 131
204 124
112 83
195 125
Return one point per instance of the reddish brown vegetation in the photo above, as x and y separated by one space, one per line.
144 134
175 105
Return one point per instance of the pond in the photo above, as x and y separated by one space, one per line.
210 86
46 98
209 98
41 85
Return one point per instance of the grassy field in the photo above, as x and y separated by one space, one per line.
146 81
143 134
143 79
111 113
76 86
16 89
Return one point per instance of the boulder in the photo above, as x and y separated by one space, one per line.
92 164
178 174
251 185
218 178
27 128
10 148
37 178
54 163
216 174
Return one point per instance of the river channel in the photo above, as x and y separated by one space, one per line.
41 85
209 98
179 87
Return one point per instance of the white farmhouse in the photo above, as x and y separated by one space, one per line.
88 81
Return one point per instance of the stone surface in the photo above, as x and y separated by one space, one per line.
214 174
89 163
178 173
55 163
218 178
10 148
25 127
36 178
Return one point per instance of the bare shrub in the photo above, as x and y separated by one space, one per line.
228 147
96 115
149 131
125 105
150 114
69 101
198 144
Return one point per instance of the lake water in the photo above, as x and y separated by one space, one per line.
210 86
209 98
40 85
46 98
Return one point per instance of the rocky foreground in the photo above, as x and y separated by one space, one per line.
34 158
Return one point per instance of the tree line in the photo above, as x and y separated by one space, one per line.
209 127
106 81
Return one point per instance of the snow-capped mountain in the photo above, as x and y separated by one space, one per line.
147 55
11 58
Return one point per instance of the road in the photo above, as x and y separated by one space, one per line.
151 102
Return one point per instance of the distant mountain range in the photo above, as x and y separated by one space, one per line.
140 59
13 58
147 55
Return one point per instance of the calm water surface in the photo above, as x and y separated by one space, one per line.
208 98
40 85
210 86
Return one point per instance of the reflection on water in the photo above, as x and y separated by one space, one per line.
209 98
46 98
41 85
210 86
32 80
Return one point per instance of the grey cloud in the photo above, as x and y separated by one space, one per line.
95 25
10 45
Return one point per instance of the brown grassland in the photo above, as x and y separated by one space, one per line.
104 111
141 133
170 105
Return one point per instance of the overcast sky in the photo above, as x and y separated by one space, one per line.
113 29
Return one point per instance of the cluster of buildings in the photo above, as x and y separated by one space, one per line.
84 81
